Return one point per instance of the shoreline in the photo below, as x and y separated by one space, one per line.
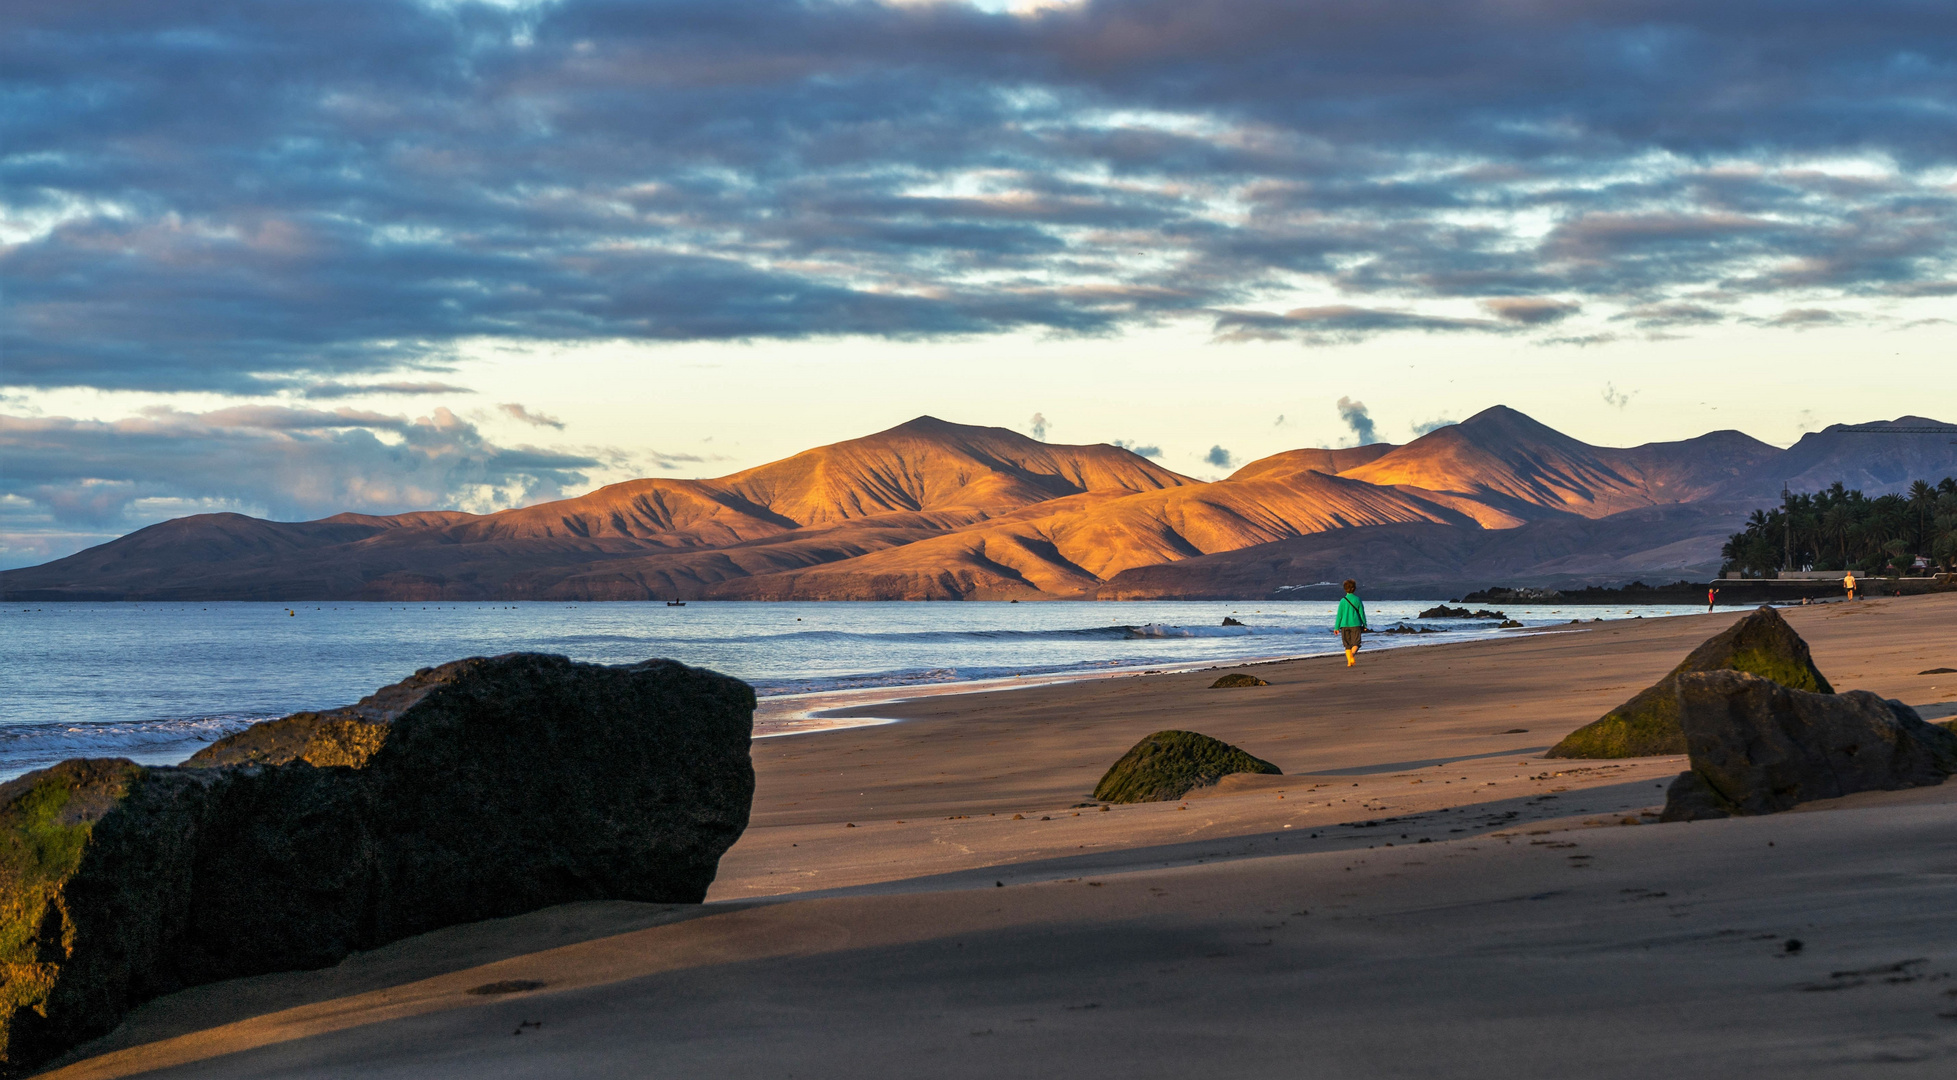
927 898
819 718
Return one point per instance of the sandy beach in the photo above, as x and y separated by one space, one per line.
1421 893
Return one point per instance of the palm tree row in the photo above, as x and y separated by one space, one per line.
1840 529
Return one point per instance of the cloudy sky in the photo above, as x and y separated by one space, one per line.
291 259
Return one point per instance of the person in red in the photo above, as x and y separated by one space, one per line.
1712 596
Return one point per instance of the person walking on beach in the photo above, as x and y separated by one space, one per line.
1848 582
1712 597
1351 622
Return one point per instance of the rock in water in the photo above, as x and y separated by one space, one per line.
1169 764
1758 747
479 789
1647 725
1237 678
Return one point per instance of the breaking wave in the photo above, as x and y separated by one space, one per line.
29 746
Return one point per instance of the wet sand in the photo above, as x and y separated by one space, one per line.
1421 893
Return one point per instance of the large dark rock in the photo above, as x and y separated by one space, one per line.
1758 747
1169 764
478 789
1647 725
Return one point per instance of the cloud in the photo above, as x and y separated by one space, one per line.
245 198
517 412
1428 426
1531 310
1581 341
1804 318
1149 451
1673 313
329 390
1335 323
1038 424
1219 457
1359 420
95 479
1617 399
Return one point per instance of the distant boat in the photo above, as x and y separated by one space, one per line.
675 603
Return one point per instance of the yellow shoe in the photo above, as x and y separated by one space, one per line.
1349 660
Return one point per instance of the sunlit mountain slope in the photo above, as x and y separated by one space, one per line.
936 510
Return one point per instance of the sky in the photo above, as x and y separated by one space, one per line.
378 255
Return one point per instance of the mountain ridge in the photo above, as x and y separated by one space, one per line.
931 509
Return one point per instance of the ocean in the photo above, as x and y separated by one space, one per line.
155 682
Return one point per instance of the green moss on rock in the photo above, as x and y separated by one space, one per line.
1760 644
1237 678
1169 764
479 789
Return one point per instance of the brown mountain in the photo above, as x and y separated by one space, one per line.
931 509
1503 459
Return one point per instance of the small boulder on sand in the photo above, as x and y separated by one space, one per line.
1647 725
1169 764
1237 678
1758 747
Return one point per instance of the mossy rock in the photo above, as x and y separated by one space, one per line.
1647 725
1169 764
476 790
1237 678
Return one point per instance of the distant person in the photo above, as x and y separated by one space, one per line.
1848 582
1712 597
1351 622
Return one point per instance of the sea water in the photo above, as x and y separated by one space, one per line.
155 682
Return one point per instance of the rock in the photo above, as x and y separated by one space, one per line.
1445 612
1237 678
479 789
1169 764
1758 747
1510 624
1228 621
1647 725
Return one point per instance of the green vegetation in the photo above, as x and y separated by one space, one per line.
1794 671
44 830
1647 725
1635 729
1168 764
1237 678
1840 529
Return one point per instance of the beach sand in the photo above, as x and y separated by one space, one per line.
1422 893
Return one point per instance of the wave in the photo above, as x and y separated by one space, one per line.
1166 630
1113 632
926 676
25 747
1084 633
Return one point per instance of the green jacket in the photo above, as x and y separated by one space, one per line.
1352 612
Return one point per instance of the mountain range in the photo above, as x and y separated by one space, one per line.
936 510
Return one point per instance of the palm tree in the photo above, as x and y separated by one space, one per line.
1924 498
1835 525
